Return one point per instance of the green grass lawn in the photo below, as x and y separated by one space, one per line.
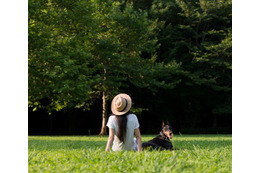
194 153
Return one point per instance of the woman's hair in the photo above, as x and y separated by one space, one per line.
122 123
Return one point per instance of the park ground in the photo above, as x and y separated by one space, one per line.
194 153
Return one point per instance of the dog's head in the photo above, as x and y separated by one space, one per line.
167 130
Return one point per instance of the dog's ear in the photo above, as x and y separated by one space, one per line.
168 123
163 124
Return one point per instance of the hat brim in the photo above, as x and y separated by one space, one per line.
128 107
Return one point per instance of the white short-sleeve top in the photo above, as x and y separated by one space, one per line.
132 123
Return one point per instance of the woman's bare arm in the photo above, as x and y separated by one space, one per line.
110 139
138 139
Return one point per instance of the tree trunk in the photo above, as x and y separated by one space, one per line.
104 116
215 121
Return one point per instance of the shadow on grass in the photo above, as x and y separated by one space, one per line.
70 144
203 144
63 144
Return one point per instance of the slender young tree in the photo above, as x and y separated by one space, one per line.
81 50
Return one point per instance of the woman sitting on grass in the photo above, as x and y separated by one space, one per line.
123 126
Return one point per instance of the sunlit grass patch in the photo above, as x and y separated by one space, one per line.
200 153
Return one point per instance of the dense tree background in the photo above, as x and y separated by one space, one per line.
174 58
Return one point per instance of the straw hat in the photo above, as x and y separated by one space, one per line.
121 104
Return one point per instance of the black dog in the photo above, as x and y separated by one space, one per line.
162 141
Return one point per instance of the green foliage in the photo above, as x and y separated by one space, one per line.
179 49
79 49
197 35
58 53
204 153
